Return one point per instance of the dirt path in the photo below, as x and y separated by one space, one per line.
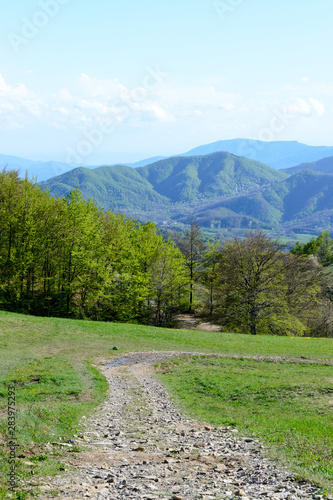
138 446
192 322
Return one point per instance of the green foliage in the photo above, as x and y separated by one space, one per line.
192 247
209 275
220 189
321 247
259 289
65 257
175 179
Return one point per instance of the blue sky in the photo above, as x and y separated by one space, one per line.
102 82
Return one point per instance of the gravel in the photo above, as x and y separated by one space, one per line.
138 446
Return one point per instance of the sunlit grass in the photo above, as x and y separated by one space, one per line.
289 406
46 359
50 399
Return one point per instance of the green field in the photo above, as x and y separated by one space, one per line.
49 361
289 406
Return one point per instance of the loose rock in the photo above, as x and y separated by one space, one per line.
138 446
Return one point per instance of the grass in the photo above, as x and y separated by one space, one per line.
50 398
288 406
49 360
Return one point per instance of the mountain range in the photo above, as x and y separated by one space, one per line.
324 166
224 191
277 154
302 203
221 190
175 180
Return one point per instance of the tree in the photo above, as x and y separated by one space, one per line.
321 247
250 283
81 271
209 275
23 233
167 278
65 257
192 247
261 289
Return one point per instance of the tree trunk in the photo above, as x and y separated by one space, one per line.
253 329
253 322
191 298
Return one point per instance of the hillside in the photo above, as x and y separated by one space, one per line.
43 170
276 154
303 201
220 189
187 179
176 180
58 392
324 166
119 187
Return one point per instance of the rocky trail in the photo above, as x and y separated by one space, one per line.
138 446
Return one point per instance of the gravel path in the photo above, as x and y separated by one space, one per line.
138 446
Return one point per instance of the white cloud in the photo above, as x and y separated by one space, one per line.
317 106
17 104
89 101
301 107
65 95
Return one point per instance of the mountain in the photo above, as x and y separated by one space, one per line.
277 154
221 190
189 179
118 187
303 202
41 170
173 180
148 161
324 166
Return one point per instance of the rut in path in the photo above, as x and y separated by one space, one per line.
138 446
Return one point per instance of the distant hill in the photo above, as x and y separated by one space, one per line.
173 180
147 161
324 166
221 190
117 187
191 178
277 154
303 201
40 169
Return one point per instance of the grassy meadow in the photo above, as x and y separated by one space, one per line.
50 362
289 406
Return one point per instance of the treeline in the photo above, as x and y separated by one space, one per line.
64 257
252 285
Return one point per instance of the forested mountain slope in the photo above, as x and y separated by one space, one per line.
324 166
175 179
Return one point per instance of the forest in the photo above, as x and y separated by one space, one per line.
65 257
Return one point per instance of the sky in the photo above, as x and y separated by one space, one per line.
106 81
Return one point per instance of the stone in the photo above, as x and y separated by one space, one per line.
149 449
